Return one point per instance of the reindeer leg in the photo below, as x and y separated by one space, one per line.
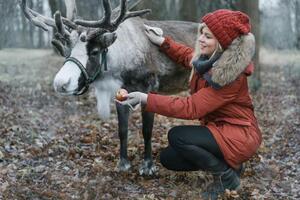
147 167
123 114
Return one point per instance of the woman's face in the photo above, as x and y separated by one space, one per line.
207 41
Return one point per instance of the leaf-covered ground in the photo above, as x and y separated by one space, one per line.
54 147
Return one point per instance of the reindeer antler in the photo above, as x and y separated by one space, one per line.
40 20
61 38
106 22
34 17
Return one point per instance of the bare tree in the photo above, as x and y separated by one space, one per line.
2 16
40 40
297 14
188 10
92 8
57 5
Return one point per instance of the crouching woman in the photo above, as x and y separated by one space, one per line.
228 134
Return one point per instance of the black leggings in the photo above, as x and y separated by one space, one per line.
192 148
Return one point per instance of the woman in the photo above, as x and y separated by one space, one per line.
229 134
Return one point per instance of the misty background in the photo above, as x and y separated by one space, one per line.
279 20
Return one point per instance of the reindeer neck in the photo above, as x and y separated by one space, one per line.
130 48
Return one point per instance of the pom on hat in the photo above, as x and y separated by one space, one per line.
226 25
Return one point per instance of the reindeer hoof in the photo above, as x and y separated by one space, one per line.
148 168
123 165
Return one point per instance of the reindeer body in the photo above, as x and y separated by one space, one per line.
133 63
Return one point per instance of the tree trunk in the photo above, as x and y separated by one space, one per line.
40 32
2 25
297 14
56 5
188 11
31 27
25 38
252 9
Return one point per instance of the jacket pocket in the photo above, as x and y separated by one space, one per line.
234 121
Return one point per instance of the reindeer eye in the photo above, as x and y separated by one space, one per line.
83 38
95 52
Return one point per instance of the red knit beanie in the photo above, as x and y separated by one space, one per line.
226 25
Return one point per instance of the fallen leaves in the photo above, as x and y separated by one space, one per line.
54 147
231 194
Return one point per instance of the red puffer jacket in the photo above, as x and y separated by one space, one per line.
227 112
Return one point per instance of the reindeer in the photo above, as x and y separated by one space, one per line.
110 54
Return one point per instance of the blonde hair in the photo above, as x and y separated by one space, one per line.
197 52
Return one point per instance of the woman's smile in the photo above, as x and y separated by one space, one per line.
202 46
207 42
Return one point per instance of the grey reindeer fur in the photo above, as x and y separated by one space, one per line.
135 52
132 58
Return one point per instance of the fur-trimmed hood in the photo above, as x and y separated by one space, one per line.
234 60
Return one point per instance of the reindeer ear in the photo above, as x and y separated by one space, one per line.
106 39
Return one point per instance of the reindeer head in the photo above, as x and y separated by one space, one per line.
84 44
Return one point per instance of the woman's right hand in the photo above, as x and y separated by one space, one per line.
154 34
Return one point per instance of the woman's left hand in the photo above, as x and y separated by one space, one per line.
134 98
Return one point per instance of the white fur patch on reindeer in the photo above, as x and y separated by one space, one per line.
66 80
105 90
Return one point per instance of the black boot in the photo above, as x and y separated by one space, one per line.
240 170
228 179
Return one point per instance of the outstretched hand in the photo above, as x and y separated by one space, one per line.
154 34
134 99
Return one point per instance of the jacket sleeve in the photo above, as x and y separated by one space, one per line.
179 53
196 106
